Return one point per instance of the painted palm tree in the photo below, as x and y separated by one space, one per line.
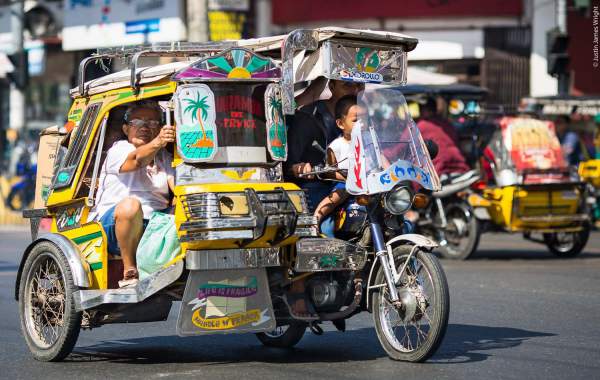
275 104
199 110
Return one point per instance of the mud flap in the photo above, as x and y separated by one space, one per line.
226 301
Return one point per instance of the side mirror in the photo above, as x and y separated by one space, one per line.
432 148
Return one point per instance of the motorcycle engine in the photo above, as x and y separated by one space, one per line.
330 291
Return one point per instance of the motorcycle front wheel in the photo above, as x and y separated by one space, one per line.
413 331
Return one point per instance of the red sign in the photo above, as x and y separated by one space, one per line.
293 11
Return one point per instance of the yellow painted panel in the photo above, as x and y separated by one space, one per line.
91 240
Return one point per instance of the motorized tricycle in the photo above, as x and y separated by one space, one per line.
583 115
532 190
245 235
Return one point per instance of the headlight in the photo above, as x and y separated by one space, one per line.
398 201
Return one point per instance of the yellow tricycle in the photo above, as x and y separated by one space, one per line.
245 236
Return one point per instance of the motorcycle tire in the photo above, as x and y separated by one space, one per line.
287 338
580 239
438 320
473 229
49 321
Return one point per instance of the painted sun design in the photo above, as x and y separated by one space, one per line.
234 64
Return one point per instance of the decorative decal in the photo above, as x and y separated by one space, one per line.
69 217
532 143
357 164
221 305
235 175
196 127
403 170
367 60
236 63
276 130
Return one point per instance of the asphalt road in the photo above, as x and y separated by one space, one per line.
516 313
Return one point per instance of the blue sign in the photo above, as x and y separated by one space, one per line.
142 26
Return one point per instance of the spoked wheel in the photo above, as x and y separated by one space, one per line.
567 244
49 321
461 235
283 336
413 331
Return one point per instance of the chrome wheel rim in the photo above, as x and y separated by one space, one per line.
564 241
44 300
457 233
409 327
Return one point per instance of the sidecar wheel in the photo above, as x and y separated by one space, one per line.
567 244
283 336
414 331
49 321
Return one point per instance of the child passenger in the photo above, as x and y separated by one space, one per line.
346 114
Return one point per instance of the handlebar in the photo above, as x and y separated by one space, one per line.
324 170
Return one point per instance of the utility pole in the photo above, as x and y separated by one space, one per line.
17 90
263 18
561 22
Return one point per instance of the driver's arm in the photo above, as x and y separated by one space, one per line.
144 154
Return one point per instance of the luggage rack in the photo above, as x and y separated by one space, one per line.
134 53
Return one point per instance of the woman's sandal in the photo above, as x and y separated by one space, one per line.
291 299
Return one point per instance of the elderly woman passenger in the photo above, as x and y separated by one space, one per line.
134 181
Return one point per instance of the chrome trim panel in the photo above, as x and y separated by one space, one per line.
328 254
556 218
216 235
232 222
87 299
232 258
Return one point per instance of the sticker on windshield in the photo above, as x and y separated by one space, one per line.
196 128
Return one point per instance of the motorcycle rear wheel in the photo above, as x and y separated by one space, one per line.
423 318
283 336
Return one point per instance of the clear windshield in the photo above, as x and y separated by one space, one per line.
393 150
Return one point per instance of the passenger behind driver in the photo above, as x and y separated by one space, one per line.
346 114
134 182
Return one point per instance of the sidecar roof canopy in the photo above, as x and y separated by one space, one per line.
565 105
303 54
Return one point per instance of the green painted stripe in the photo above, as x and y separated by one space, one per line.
158 88
88 237
96 266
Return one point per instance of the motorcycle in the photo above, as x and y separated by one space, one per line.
450 220
22 192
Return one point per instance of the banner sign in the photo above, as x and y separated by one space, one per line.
228 19
90 24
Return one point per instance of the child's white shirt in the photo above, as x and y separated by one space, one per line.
341 149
